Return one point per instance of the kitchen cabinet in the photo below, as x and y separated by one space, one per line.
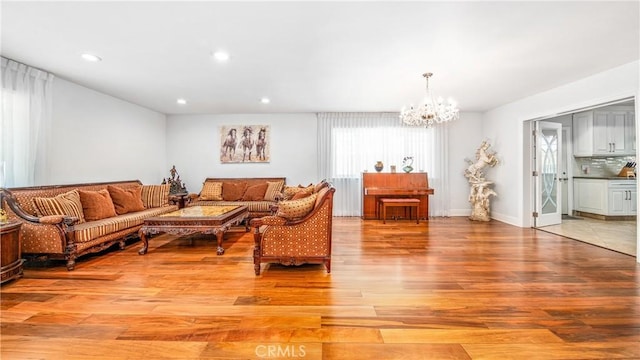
605 196
606 132
622 198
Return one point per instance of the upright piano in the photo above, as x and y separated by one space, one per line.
390 185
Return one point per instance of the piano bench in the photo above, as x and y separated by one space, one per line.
400 202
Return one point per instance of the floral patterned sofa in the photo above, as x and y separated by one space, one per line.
68 221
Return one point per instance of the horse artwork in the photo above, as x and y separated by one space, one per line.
229 145
480 192
484 157
240 145
261 144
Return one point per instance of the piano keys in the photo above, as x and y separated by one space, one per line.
390 185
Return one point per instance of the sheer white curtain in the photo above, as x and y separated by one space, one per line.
350 143
25 124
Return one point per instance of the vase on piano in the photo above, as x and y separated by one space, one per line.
378 166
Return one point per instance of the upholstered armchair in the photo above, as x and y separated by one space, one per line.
289 240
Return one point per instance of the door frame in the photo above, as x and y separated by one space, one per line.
529 203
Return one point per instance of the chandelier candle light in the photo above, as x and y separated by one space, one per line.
431 111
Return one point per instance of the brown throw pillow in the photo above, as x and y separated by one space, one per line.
255 192
211 191
233 191
96 205
296 209
154 196
126 200
67 204
301 195
290 191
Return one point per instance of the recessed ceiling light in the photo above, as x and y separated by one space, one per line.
91 57
265 100
221 56
181 101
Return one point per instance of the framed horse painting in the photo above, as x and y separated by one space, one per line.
244 144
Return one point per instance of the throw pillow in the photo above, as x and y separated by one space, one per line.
273 190
154 196
255 192
290 191
126 200
301 195
233 191
67 204
296 209
211 191
96 205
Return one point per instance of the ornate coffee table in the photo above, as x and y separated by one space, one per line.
196 219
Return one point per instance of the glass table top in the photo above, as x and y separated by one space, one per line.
201 211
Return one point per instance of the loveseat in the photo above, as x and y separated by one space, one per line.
258 194
68 221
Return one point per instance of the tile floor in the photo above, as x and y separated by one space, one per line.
615 235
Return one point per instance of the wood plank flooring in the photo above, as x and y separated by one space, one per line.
447 288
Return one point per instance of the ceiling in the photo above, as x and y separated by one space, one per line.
320 56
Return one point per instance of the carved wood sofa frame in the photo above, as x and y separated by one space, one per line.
311 235
54 237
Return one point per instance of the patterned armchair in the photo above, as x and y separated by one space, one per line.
296 241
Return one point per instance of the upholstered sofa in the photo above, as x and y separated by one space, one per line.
299 232
258 194
54 221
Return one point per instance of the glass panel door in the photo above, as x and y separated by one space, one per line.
548 189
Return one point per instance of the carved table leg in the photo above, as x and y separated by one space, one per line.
145 242
220 236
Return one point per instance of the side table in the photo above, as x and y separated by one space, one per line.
180 199
11 251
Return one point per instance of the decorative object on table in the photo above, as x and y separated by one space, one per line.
406 164
393 169
378 166
176 186
480 187
245 144
431 111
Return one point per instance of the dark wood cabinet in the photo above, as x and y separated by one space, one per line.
11 251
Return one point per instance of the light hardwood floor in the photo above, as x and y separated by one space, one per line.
616 235
444 289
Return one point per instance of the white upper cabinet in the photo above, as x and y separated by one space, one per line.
604 132
583 133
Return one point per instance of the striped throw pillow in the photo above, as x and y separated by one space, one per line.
67 204
211 191
273 189
154 196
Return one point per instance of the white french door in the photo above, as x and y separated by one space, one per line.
548 140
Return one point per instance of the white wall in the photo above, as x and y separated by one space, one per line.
96 137
504 125
193 146
465 135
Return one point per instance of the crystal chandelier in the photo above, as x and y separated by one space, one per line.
430 111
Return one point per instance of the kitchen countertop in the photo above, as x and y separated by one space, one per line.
604 177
